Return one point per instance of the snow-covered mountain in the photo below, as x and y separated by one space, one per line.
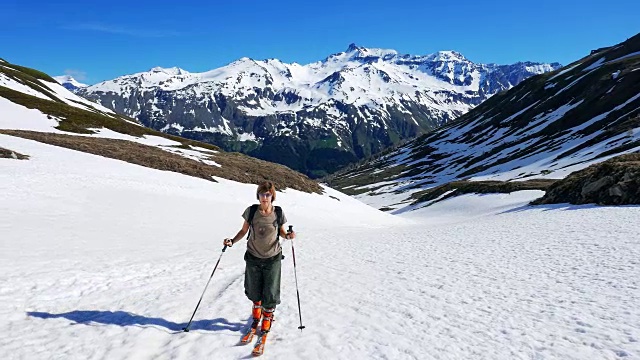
34 106
323 115
69 82
545 127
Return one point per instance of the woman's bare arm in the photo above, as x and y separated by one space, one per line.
239 235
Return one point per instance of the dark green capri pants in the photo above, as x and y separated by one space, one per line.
262 279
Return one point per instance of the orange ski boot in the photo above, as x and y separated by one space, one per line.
256 314
267 321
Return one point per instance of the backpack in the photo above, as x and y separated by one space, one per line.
252 213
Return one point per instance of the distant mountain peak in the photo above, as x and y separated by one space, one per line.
356 52
449 55
353 47
169 71
64 78
69 82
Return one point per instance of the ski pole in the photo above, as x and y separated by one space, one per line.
186 328
293 252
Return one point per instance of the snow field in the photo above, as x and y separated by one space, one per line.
104 259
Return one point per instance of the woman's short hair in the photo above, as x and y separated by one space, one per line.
266 186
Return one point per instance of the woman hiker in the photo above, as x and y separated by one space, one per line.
263 257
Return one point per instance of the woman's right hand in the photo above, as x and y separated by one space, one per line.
228 242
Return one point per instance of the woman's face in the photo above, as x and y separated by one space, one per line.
265 198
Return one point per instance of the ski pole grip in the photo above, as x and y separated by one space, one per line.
224 248
290 228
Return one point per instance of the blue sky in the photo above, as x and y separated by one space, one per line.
97 41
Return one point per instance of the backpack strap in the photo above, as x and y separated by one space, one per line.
278 211
252 213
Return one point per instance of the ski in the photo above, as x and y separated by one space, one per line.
248 337
259 348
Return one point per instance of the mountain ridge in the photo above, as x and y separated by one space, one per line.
328 113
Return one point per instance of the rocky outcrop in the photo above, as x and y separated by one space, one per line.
613 182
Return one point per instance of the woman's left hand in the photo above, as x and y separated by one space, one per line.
291 235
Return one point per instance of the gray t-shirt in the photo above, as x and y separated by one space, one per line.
262 240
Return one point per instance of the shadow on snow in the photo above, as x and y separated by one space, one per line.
564 207
123 318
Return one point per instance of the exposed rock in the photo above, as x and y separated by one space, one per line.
613 182
9 154
595 186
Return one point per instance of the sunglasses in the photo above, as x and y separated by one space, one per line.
264 195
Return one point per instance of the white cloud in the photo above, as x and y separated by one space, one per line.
123 30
